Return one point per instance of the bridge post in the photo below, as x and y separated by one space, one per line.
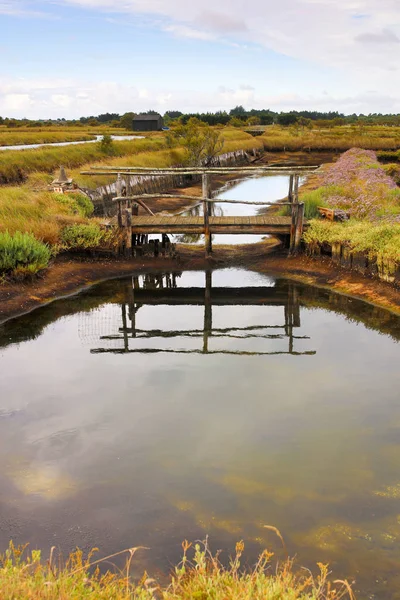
206 189
296 227
299 226
290 193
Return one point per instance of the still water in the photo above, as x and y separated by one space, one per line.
162 407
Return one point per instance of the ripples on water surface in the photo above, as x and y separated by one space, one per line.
154 409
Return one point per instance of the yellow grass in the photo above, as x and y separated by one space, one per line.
199 576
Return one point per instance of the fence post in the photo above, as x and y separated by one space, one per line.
299 226
206 211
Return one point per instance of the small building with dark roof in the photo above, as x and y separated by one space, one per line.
148 123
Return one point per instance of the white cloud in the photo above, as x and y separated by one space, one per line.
323 31
72 99
22 8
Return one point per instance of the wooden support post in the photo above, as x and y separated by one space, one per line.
290 193
296 189
299 226
206 211
128 233
118 185
293 227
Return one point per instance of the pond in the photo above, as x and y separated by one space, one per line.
168 406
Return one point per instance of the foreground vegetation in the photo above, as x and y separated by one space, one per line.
362 187
63 221
200 577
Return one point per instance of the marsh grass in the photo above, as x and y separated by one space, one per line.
42 214
337 139
22 253
199 576
378 241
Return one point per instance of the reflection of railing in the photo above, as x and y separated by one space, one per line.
163 290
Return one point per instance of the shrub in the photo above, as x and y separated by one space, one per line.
77 204
83 237
23 252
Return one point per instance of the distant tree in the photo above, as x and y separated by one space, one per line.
253 121
173 114
201 142
238 111
236 122
126 120
108 117
286 119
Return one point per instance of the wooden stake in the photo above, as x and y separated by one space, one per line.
206 210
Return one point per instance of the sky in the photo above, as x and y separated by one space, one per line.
72 58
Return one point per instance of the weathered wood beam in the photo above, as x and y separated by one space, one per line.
148 170
199 198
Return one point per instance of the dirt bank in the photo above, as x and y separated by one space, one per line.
68 276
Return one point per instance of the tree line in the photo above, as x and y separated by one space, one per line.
237 116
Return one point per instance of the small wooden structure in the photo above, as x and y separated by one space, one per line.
148 123
135 226
63 184
333 214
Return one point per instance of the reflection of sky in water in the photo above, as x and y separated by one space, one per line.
119 450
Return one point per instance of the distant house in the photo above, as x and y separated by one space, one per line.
148 123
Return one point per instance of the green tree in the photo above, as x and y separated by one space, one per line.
201 142
126 120
107 145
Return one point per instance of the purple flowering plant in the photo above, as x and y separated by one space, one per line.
358 184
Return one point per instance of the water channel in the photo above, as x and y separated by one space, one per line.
120 138
160 407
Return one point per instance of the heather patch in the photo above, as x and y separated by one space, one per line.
358 184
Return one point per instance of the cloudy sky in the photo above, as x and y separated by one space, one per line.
69 58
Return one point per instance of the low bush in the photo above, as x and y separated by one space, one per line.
77 204
379 241
22 252
84 237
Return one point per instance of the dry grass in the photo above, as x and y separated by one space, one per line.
337 139
16 138
39 213
200 575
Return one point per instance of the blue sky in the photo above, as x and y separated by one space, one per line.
68 58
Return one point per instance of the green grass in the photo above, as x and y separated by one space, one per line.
43 214
85 236
17 165
378 241
200 576
16 138
22 253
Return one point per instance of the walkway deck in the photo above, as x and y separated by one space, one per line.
229 225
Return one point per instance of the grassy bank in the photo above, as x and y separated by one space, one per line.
362 187
16 166
62 221
200 576
335 139
16 138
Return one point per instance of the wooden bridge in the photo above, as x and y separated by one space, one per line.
137 227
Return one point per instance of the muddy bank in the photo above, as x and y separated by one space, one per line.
68 276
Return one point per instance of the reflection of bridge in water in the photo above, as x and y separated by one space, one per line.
163 290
